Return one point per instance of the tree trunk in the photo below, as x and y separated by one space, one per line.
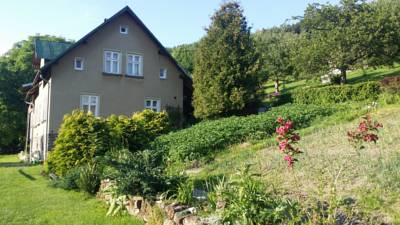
343 76
277 86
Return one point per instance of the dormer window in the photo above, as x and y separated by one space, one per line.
123 29
78 63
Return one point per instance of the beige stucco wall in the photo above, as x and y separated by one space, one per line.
118 94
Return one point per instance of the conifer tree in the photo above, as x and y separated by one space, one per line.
226 74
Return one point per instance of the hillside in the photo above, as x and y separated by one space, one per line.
362 184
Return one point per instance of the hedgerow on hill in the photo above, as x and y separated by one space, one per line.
205 138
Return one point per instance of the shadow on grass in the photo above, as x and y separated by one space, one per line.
374 76
26 175
12 164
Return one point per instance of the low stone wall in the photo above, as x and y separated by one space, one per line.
176 214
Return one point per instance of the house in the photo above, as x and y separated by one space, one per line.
117 68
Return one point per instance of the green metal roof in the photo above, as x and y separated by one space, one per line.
50 49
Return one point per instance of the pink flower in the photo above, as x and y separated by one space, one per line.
281 130
283 144
289 159
289 125
362 127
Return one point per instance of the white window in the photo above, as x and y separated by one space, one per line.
123 29
90 103
152 104
163 73
134 65
112 62
78 63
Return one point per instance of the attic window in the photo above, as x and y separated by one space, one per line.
78 63
123 29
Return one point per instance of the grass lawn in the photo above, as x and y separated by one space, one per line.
27 198
330 170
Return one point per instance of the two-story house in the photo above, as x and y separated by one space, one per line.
117 68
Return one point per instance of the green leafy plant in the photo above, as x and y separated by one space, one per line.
248 202
89 178
203 139
139 173
185 193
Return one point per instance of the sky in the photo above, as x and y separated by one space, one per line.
173 22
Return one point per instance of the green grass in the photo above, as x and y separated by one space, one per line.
26 197
330 169
356 76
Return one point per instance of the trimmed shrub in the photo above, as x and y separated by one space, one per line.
82 136
206 137
136 132
337 94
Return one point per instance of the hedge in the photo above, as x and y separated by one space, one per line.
206 137
82 137
337 94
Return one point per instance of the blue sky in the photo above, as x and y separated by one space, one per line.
173 22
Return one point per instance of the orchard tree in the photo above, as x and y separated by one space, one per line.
276 46
227 69
350 35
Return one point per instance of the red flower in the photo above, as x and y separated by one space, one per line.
289 159
283 144
370 138
289 125
281 130
279 120
362 127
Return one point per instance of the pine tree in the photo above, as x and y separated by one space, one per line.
227 68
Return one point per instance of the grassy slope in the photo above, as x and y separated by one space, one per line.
352 77
27 198
329 168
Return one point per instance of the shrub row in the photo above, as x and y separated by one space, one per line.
391 84
206 137
337 94
83 136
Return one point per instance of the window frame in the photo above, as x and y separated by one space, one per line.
151 107
82 63
125 27
140 65
97 104
164 74
111 60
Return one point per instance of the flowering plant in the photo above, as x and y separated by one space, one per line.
287 138
366 132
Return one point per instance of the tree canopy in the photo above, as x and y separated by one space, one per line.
350 35
16 69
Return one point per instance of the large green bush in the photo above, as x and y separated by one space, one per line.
205 138
337 94
83 136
